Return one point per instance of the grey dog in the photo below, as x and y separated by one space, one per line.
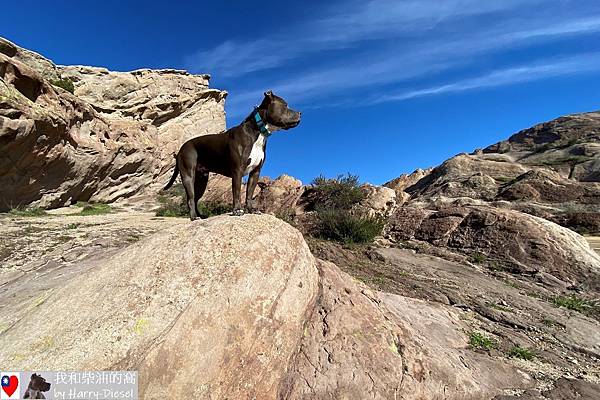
237 152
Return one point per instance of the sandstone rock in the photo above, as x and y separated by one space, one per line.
113 139
210 309
35 61
522 243
379 200
466 175
280 195
405 181
570 144
548 186
359 344
237 307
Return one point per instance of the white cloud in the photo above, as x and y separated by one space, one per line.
582 63
375 19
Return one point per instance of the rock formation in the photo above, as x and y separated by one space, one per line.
550 170
112 138
239 308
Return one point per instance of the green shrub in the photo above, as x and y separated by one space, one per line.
339 193
212 208
173 203
342 226
65 83
477 257
27 212
522 353
479 341
96 209
573 302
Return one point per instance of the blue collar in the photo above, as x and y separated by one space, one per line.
260 123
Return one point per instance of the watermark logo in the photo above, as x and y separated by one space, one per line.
11 385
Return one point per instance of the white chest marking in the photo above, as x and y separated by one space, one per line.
256 155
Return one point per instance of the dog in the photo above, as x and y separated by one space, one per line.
37 385
235 153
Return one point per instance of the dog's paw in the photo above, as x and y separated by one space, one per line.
237 213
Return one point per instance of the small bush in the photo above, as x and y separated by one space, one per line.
339 193
28 212
478 341
573 302
173 203
96 209
522 353
286 216
477 258
342 226
65 83
212 208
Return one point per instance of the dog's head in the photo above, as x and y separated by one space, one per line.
277 113
39 383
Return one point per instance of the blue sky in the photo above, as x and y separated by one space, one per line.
385 86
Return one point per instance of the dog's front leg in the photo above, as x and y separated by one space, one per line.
236 186
250 187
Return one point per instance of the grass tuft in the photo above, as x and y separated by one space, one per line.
477 258
64 83
96 209
573 302
522 353
28 212
479 341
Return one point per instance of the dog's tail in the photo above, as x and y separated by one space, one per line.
175 173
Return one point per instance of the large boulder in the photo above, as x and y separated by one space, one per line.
212 309
113 138
237 307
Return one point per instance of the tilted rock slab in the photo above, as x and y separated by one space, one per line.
238 308
519 242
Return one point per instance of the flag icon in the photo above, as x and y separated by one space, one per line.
10 384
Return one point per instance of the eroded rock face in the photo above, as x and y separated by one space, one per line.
519 242
365 345
379 200
113 139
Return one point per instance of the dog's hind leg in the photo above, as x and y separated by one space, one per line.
199 188
188 176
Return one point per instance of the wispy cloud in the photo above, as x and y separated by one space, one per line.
582 63
361 55
370 20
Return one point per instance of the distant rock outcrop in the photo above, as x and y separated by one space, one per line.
551 170
111 139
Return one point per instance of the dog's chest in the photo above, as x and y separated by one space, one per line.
256 155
